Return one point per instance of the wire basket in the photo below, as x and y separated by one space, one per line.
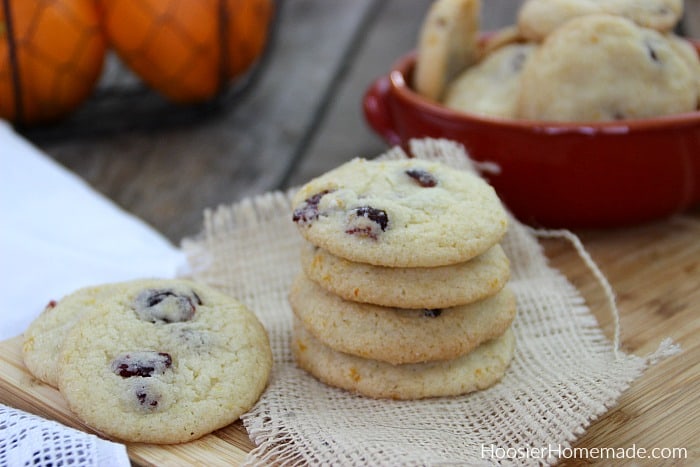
121 101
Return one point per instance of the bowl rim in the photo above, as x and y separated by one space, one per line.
399 78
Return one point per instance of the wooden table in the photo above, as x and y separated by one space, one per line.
303 117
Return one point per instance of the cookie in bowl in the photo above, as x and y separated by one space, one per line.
492 86
539 18
448 40
602 68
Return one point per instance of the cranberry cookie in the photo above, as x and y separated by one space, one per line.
400 213
492 86
396 335
447 44
605 67
538 18
164 361
438 287
477 370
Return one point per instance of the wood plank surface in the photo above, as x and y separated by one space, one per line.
655 272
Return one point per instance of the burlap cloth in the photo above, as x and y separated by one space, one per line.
564 375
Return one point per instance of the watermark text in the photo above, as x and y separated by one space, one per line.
557 451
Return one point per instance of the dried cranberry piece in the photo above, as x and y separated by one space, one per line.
157 297
145 399
424 178
166 305
147 396
143 364
434 313
652 52
367 221
308 211
375 215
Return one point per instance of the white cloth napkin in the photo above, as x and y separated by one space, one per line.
57 234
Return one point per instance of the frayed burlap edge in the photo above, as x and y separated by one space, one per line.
565 373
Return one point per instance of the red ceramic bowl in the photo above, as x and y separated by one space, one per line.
557 174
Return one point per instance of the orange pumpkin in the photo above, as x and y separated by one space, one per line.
51 56
187 50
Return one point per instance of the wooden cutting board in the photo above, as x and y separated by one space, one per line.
225 447
655 272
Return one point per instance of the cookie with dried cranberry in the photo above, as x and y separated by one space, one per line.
477 370
539 18
492 86
447 44
438 287
400 213
164 361
688 52
43 339
398 335
596 67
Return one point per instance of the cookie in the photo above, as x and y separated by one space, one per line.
43 339
660 15
164 361
491 87
539 18
447 44
398 335
689 53
602 68
400 213
438 287
477 370
506 35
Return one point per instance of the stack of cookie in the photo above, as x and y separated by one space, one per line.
153 361
402 292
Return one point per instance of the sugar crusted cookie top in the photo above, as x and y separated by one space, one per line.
400 213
